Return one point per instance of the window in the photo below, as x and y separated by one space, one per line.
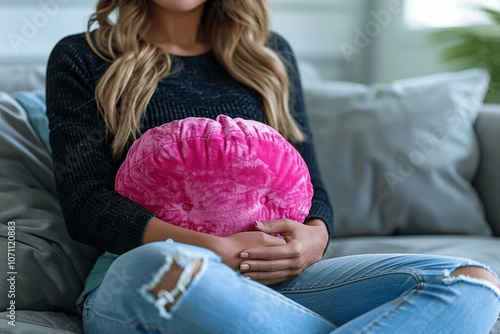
446 13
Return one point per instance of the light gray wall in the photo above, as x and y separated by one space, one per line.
30 28
355 40
317 28
400 52
320 32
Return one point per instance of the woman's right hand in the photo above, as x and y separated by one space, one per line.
229 248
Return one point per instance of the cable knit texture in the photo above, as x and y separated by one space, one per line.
216 176
85 171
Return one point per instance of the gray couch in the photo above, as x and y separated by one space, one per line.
358 159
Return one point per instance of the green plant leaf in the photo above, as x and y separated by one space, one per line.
493 14
473 46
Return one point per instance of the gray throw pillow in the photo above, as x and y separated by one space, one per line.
42 266
398 158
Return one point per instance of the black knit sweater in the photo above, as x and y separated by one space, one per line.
84 169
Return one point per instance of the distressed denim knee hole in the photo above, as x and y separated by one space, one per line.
453 277
165 300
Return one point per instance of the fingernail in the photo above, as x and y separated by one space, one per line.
244 255
259 224
244 267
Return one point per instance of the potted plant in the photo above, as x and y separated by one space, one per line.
473 46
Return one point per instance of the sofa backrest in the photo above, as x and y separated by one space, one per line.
487 181
21 77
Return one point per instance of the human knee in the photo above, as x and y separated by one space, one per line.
174 283
476 272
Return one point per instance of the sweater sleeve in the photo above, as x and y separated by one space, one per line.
321 207
83 166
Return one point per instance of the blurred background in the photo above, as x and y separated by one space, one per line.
362 41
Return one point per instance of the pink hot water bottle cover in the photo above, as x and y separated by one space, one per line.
216 176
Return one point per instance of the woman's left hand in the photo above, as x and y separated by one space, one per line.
305 244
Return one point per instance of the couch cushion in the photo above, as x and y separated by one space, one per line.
37 322
50 267
399 158
479 248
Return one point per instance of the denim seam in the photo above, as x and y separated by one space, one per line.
382 317
125 323
447 280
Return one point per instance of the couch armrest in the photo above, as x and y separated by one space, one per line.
487 181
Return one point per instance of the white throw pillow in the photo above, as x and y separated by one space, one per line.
398 158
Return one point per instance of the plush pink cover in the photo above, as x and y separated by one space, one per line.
216 177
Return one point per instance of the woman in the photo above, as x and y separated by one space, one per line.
163 60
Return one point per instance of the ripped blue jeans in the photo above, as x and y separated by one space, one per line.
354 294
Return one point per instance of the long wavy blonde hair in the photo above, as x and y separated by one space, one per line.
237 31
